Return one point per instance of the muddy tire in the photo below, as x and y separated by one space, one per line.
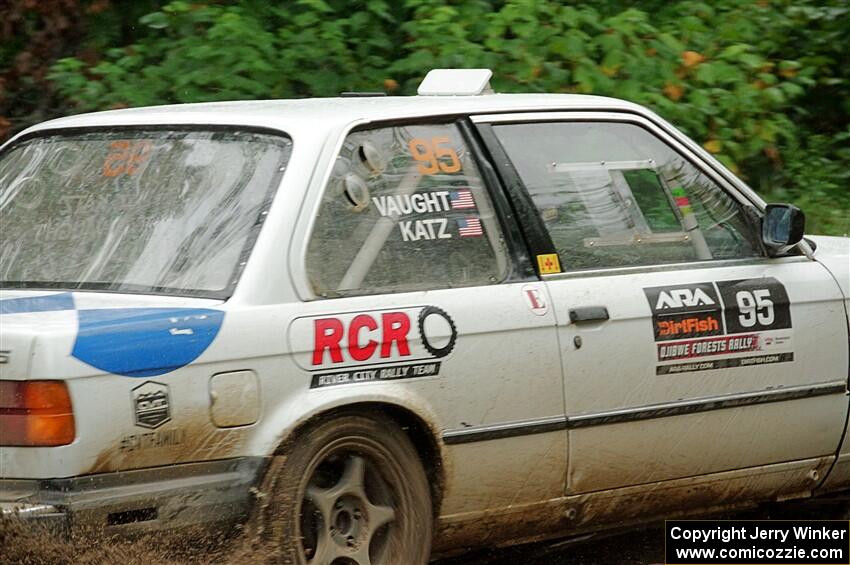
349 490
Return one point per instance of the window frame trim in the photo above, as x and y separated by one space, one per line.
680 266
519 268
665 131
538 236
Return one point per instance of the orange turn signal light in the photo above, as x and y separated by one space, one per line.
35 414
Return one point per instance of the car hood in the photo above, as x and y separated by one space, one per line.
122 334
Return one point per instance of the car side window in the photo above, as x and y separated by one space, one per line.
614 195
405 209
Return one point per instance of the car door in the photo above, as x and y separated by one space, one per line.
415 280
686 351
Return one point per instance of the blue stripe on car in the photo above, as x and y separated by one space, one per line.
49 303
144 342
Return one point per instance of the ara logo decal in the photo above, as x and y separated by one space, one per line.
151 405
374 345
682 297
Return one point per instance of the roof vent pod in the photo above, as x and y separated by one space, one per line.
456 82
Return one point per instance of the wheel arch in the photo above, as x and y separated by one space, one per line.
423 436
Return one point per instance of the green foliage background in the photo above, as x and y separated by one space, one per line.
763 85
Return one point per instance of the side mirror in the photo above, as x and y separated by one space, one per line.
783 227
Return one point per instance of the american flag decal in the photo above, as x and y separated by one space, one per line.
470 227
461 199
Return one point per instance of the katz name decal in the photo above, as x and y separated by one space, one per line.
377 345
720 318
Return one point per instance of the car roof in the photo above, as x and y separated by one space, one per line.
308 114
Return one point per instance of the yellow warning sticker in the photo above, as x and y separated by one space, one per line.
548 264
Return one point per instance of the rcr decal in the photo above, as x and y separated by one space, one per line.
442 321
723 318
373 345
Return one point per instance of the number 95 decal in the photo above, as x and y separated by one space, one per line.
755 307
755 304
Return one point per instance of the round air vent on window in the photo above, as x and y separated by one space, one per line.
374 159
356 191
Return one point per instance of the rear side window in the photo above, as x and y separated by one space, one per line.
135 210
614 195
405 209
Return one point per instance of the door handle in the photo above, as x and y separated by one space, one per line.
588 314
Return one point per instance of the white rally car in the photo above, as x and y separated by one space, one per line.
378 326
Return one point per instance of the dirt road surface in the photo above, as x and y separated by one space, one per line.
635 547
643 547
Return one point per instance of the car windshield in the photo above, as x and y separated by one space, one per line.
158 211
